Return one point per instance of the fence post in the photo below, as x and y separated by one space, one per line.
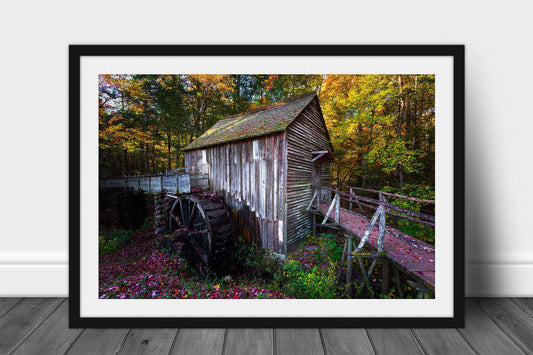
349 265
337 207
382 226
385 278
343 258
351 193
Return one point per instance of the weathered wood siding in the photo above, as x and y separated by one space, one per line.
307 133
250 176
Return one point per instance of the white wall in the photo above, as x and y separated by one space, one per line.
34 103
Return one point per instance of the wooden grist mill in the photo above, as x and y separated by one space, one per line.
265 176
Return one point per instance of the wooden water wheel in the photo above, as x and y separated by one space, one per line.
202 222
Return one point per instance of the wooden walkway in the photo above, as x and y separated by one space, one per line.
40 326
413 257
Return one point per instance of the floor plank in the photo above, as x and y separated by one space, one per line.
6 304
40 326
442 341
148 341
512 319
298 341
393 341
53 336
99 341
484 335
22 319
249 341
346 341
526 304
199 341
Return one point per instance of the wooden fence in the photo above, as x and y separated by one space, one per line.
178 180
345 201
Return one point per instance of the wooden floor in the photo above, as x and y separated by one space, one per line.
40 326
411 255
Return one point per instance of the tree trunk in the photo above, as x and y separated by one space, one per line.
153 158
147 149
196 125
125 162
401 114
169 150
142 160
369 146
401 108
237 93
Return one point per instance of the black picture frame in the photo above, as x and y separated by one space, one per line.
77 52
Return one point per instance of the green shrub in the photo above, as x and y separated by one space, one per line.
257 261
113 241
332 248
417 230
315 283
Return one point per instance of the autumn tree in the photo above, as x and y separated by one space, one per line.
374 122
381 126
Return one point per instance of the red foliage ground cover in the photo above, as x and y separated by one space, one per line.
141 270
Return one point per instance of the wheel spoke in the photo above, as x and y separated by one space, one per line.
193 215
199 232
204 247
187 211
181 209
176 218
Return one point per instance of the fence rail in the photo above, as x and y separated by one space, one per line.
391 209
416 199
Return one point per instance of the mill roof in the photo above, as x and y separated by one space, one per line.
255 124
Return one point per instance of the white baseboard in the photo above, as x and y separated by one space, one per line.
499 280
34 280
51 280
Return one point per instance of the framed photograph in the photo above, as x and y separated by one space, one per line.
266 186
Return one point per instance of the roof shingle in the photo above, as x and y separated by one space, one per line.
268 121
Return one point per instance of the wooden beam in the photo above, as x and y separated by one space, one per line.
312 199
382 228
337 209
343 258
398 282
330 209
385 278
362 242
349 266
318 157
